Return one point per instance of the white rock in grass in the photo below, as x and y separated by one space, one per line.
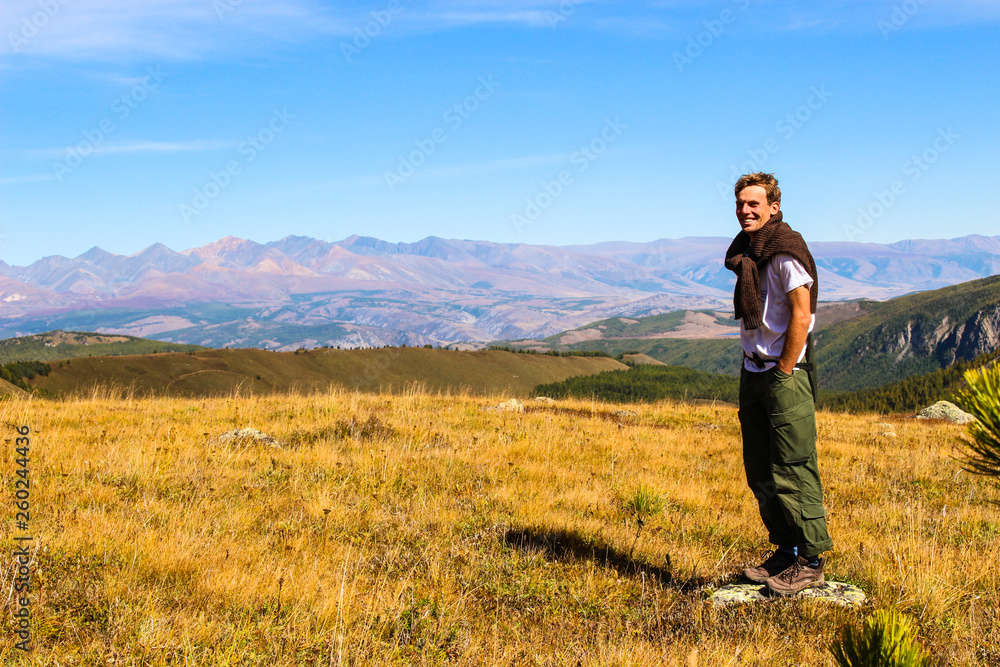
248 436
884 429
513 405
946 410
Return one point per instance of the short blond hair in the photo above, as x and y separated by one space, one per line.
766 181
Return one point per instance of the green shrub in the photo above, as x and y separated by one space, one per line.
981 399
888 639
641 504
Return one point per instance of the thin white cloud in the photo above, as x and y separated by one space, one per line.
131 147
185 29
162 147
526 17
96 29
865 15
449 14
677 18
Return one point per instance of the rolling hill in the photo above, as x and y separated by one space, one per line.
53 345
248 371
703 340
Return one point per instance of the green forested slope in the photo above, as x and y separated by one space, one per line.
909 336
645 383
909 395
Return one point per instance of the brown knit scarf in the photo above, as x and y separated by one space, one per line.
746 259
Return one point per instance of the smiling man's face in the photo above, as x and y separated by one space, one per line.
752 209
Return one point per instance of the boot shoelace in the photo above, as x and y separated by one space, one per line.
792 571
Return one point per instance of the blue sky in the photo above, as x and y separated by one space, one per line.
557 122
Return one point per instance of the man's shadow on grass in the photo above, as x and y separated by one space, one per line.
568 546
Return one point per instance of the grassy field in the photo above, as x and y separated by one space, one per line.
426 529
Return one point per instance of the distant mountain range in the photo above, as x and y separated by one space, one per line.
362 292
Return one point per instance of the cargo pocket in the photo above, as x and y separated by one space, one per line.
793 435
792 416
813 511
815 535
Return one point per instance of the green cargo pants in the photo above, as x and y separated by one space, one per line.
778 418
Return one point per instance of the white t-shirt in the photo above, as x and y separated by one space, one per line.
781 275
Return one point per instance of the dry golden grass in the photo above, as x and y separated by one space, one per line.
424 529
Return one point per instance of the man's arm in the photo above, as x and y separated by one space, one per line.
798 328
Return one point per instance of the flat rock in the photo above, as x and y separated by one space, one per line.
513 405
248 436
884 430
832 591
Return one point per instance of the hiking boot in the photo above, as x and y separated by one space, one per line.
776 563
796 578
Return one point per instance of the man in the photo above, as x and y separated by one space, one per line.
775 301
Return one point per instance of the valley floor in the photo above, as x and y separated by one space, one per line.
426 529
